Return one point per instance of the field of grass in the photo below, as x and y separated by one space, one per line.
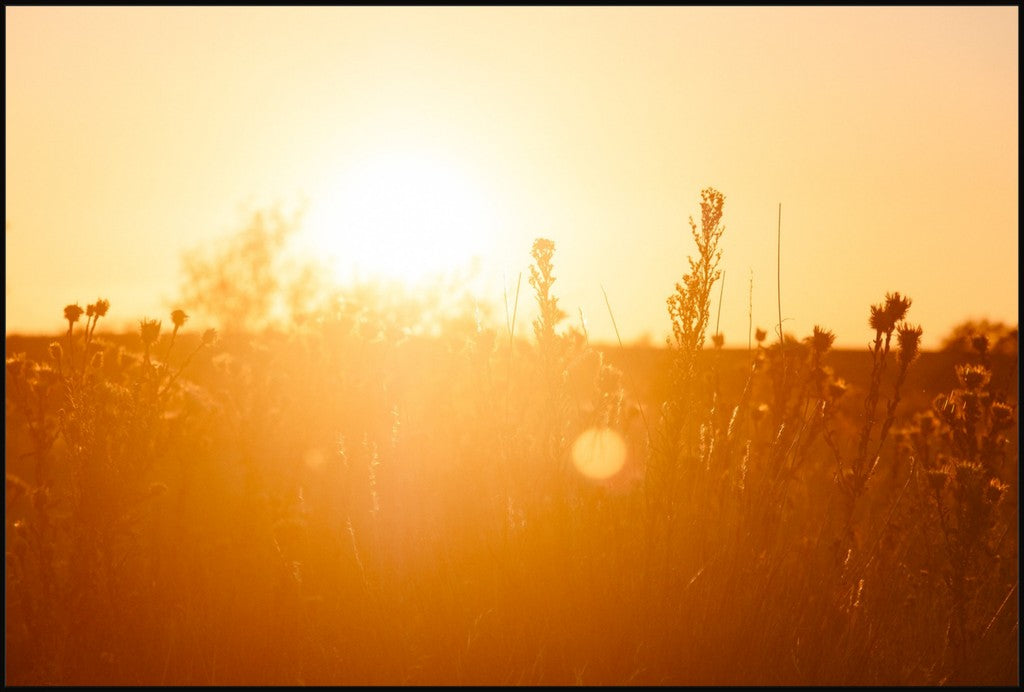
349 502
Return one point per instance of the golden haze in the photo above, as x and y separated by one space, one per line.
888 135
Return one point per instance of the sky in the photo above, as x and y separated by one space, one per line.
887 136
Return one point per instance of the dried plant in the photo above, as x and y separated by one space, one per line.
384 494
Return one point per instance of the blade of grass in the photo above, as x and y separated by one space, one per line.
632 385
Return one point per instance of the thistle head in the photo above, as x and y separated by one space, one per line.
1002 416
821 340
178 318
980 343
878 319
995 490
760 335
885 315
896 306
149 330
72 313
972 377
909 340
968 474
937 479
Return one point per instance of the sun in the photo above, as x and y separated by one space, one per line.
403 216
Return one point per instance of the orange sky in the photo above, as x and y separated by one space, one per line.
889 136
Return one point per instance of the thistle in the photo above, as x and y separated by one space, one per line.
149 331
178 318
72 313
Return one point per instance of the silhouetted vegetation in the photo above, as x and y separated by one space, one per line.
966 338
368 486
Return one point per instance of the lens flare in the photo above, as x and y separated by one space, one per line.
599 453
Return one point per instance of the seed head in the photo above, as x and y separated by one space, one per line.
973 376
885 316
910 340
149 330
760 334
209 336
72 313
995 490
1002 416
879 320
101 306
896 306
937 479
718 340
967 472
543 246
821 340
178 317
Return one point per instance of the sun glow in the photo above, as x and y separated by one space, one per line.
401 216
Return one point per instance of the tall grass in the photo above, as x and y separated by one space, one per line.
355 500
